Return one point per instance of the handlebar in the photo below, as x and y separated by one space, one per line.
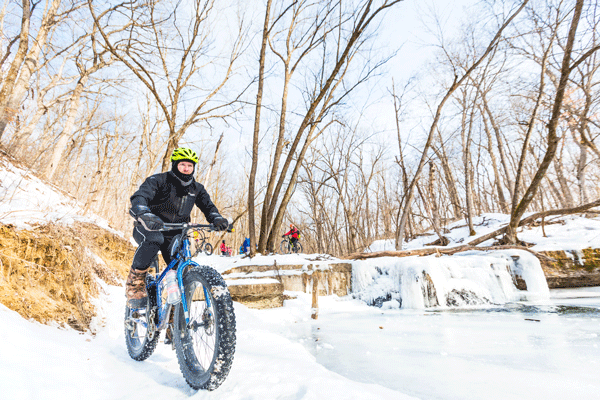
171 226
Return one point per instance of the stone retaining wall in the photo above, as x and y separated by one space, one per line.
258 288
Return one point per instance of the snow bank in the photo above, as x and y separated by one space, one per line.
562 233
25 200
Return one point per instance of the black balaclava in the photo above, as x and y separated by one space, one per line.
185 179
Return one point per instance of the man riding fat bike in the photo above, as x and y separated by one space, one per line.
165 197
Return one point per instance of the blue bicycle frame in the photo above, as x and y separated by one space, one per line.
180 262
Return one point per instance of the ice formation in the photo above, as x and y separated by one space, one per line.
466 279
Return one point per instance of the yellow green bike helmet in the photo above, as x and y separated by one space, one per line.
184 154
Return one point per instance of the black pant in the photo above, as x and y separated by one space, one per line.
150 242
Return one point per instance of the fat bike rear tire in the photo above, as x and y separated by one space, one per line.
205 347
141 335
297 248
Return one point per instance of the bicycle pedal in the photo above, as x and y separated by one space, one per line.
129 324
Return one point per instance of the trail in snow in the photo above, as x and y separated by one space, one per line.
517 351
45 362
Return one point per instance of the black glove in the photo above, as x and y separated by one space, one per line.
282 236
220 223
136 210
151 222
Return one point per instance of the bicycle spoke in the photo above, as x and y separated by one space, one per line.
203 343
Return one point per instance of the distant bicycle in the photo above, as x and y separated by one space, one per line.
201 243
288 247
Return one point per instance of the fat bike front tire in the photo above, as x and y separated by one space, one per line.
141 335
205 347
284 247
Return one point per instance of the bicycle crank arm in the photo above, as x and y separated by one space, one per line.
131 322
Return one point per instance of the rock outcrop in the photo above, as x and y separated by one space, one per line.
571 268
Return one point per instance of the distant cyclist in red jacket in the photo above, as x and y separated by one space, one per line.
294 233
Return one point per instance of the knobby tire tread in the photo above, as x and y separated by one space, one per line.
219 368
148 346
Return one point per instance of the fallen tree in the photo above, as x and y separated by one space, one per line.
439 251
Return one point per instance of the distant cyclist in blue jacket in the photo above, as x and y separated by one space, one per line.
246 246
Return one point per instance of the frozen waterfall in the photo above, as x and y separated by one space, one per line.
472 278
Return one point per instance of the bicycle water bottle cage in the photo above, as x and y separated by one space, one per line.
175 245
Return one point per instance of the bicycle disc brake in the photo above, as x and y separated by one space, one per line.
208 323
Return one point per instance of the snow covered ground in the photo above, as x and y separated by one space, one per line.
353 351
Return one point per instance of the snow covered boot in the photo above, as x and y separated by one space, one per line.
169 336
135 289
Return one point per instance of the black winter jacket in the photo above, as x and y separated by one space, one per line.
166 197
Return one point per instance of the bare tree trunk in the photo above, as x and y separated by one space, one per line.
255 140
497 178
503 158
7 110
530 127
213 162
269 200
400 157
558 199
449 177
467 163
63 138
292 183
581 126
581 165
511 231
22 135
433 205
435 214
562 180
286 58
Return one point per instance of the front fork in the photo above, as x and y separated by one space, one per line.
184 302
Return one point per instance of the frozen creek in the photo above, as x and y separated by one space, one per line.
517 351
